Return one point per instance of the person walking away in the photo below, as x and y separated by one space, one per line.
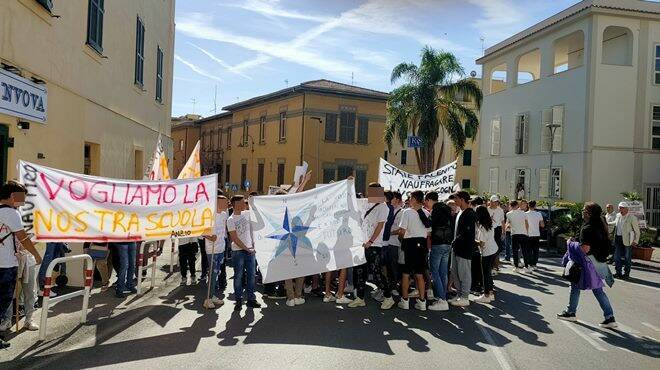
590 254
517 221
414 227
12 237
442 234
214 246
393 250
626 236
126 274
242 247
535 223
187 259
497 215
53 250
373 226
488 248
462 248
101 256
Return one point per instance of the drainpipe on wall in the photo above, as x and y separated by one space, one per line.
302 136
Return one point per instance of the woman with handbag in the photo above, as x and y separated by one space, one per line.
585 265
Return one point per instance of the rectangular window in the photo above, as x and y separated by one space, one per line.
522 133
652 205
262 129
328 175
550 183
229 138
92 159
465 184
227 173
361 180
159 75
280 174
243 175
244 139
94 24
467 157
260 177
138 155
404 157
554 115
330 127
139 52
385 155
493 180
181 144
655 133
347 127
282 126
343 172
363 130
47 4
495 137
657 64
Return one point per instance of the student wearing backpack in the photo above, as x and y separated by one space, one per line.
442 234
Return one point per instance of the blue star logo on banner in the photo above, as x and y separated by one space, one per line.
291 235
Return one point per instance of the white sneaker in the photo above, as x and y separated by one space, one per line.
439 305
517 270
31 325
217 301
290 302
526 270
483 299
404 304
189 280
308 289
349 288
329 298
456 298
429 294
420 305
299 301
343 300
379 297
413 294
357 302
387 304
461 302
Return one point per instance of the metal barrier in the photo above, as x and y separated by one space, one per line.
47 301
174 252
144 255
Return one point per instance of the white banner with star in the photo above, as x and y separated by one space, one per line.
307 233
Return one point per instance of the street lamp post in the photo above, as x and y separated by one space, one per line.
552 127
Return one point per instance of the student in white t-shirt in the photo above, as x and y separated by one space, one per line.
497 215
13 239
535 224
242 247
488 248
214 245
373 226
517 221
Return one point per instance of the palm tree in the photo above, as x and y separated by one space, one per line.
425 106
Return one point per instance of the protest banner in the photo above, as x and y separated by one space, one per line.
440 180
636 208
307 233
192 168
69 207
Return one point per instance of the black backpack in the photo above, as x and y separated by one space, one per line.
443 224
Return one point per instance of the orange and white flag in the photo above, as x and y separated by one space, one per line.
157 169
192 169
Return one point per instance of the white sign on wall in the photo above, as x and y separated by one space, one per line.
20 97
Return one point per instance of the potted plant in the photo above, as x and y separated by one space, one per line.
644 250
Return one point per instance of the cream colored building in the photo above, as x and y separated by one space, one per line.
593 71
104 73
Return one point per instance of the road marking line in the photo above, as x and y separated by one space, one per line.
497 352
584 336
652 327
627 329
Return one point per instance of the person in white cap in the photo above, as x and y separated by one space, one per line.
626 236
497 214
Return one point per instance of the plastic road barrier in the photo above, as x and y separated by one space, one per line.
148 252
47 301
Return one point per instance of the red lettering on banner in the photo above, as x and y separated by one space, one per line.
137 194
201 190
51 195
112 197
75 196
185 196
173 194
154 190
101 192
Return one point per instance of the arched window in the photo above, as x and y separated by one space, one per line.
617 46
498 78
529 67
569 52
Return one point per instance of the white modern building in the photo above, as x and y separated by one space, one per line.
593 72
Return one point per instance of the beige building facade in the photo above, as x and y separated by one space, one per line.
105 72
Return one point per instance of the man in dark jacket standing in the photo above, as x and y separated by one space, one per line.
462 248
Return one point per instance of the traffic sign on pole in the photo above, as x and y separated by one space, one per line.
414 142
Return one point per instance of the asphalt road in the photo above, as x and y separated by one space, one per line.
168 328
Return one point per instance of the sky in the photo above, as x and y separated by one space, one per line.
246 48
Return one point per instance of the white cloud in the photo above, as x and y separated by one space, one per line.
271 9
259 60
200 71
220 61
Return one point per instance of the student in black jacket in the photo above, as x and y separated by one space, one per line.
462 248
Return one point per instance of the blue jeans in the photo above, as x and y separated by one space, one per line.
438 261
244 262
600 295
53 250
622 256
127 252
215 260
507 246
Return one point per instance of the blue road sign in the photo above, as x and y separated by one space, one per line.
414 142
246 184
